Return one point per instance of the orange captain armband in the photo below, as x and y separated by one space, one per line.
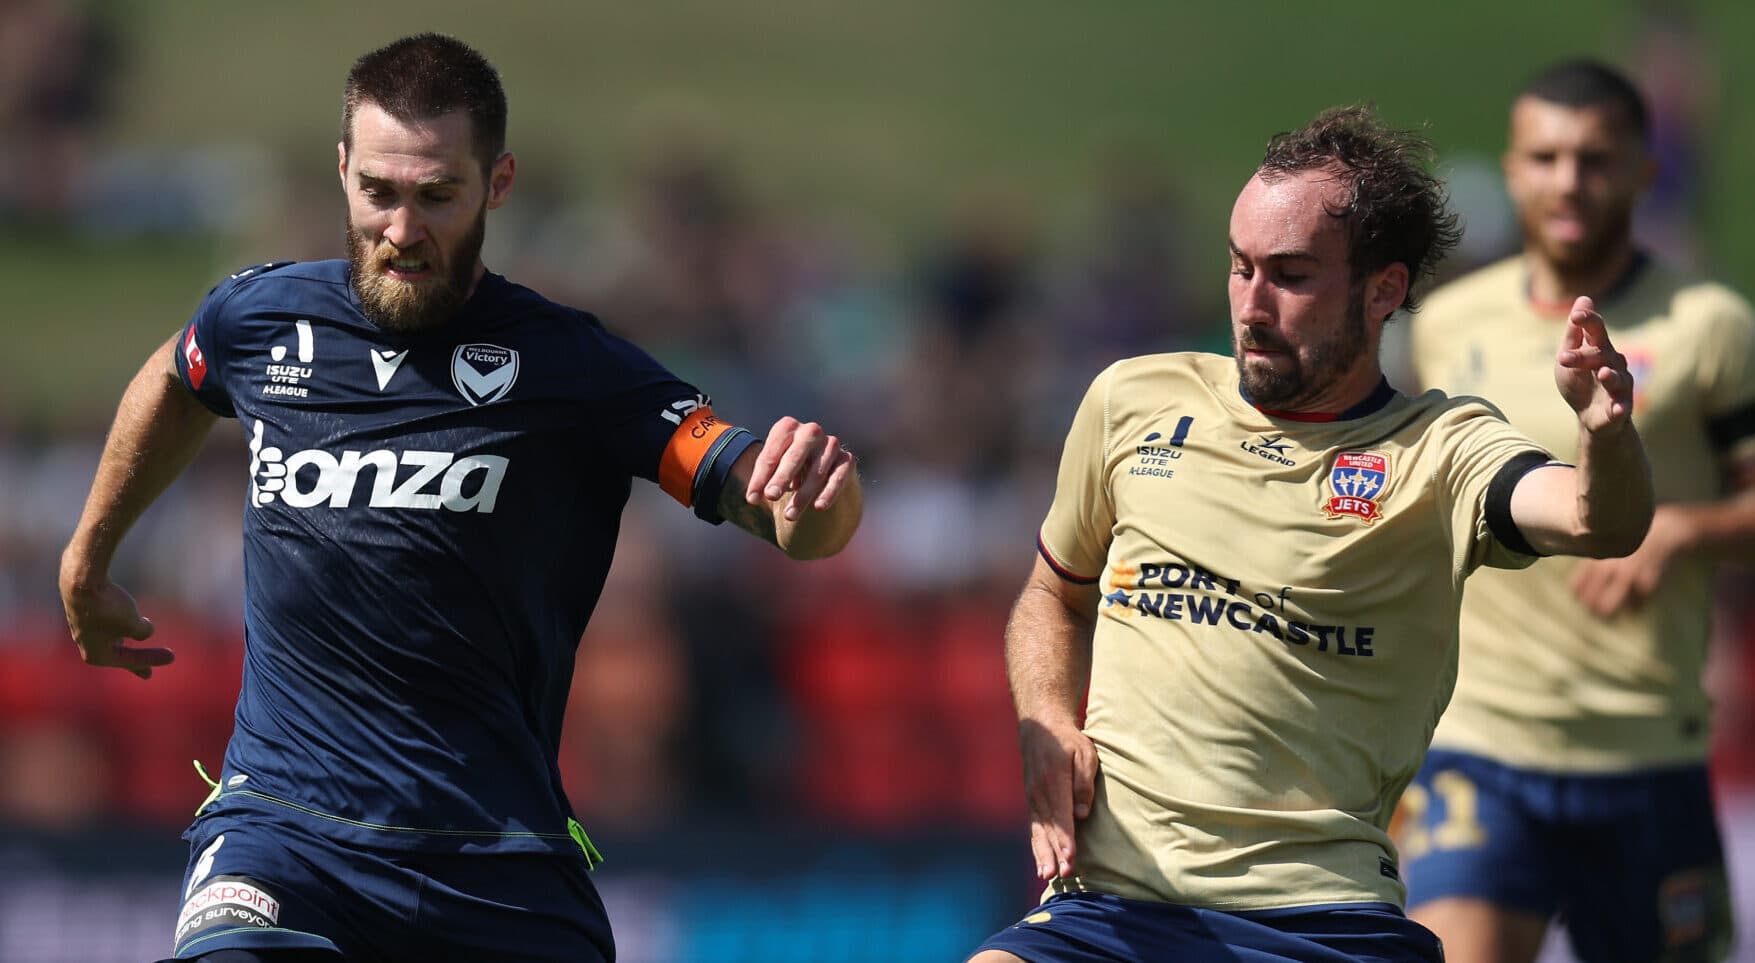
687 467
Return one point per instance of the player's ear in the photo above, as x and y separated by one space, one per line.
1385 291
500 179
341 164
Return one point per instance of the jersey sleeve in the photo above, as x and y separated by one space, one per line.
1486 457
1728 375
663 429
202 349
1075 536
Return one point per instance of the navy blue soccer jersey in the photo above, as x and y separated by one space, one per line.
429 522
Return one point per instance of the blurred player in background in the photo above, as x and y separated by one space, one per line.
1569 773
439 460
1253 568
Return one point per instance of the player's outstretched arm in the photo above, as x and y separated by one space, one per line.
159 427
798 489
1604 506
1048 662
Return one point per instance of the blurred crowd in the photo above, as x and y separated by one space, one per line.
715 682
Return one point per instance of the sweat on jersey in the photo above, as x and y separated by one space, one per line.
1545 683
1277 628
429 522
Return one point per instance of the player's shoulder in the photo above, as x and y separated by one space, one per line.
1695 299
1169 366
1485 287
513 302
1435 407
293 272
279 279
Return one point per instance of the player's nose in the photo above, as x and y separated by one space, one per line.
405 229
1252 301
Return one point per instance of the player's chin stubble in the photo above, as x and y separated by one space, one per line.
1328 361
401 306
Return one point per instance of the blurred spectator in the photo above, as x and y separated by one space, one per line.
1678 72
57 63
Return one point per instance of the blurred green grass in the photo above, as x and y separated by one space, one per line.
883 115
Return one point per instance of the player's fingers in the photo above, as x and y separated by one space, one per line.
1618 385
1051 805
815 477
803 449
1572 336
778 440
1042 850
1590 323
845 466
1587 582
1084 780
140 661
1612 595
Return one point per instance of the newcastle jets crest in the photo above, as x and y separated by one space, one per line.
1356 481
483 373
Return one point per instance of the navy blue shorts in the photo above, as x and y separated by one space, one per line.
1631 864
259 884
1098 928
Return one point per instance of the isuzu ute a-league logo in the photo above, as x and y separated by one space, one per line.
483 373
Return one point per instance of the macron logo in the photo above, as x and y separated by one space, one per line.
384 364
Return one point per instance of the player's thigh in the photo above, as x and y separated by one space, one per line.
996 956
1650 882
1476 931
508 907
1470 829
246 888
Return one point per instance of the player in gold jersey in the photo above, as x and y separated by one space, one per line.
1253 567
1569 774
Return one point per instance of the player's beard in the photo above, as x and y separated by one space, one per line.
403 306
1320 367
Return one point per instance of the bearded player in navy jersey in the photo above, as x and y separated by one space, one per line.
438 464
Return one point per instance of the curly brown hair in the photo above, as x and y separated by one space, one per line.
1396 210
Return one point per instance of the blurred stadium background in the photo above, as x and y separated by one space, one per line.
926 224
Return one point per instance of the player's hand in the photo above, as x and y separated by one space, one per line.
1610 585
1591 374
801 458
103 620
1060 779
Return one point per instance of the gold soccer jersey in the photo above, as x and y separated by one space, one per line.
1277 630
1545 684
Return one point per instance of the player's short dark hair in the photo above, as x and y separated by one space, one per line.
430 75
1396 209
1590 83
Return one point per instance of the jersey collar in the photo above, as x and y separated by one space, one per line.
1373 403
